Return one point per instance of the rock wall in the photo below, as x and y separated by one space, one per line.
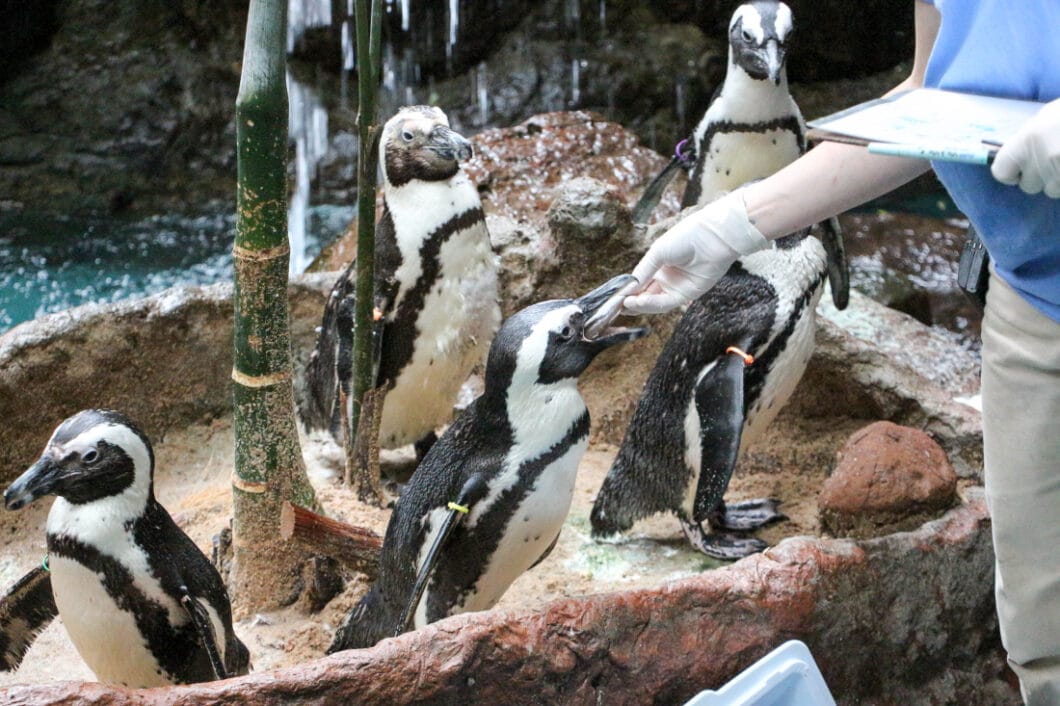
904 619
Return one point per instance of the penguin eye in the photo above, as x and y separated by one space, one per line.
407 136
566 333
90 456
747 36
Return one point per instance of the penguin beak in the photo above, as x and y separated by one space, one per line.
774 56
602 306
38 480
449 145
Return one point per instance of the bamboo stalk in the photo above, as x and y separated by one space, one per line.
369 51
268 458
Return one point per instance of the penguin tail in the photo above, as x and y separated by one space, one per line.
237 657
368 623
611 513
25 611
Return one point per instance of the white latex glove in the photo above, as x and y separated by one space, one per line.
1031 157
690 258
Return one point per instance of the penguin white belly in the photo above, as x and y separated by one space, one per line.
531 529
106 636
454 329
784 375
738 157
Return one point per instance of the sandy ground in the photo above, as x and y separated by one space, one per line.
194 467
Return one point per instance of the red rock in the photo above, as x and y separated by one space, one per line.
887 478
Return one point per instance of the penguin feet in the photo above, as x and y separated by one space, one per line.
746 515
721 546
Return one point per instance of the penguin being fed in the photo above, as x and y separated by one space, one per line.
489 499
142 605
435 289
733 361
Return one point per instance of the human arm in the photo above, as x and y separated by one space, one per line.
695 253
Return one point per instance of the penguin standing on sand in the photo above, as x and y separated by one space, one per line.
140 602
489 499
740 350
435 288
733 361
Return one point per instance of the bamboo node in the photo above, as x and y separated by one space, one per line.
259 380
241 253
249 486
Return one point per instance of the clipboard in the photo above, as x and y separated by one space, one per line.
928 123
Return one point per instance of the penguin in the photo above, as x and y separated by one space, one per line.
142 605
752 127
734 359
489 499
435 288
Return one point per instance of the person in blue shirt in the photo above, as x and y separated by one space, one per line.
990 47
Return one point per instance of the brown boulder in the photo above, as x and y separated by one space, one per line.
888 478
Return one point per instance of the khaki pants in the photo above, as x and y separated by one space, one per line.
1021 434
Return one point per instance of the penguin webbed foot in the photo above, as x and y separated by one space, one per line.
727 547
201 620
746 515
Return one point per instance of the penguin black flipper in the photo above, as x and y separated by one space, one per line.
207 636
319 407
838 268
653 192
474 489
25 611
330 365
184 571
719 398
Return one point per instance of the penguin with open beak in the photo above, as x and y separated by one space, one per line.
489 499
141 603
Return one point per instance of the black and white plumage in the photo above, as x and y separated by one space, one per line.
753 126
435 287
142 605
701 406
512 455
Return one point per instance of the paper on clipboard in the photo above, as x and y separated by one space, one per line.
929 118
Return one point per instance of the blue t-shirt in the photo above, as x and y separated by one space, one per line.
1008 48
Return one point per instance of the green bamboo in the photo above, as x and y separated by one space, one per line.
268 459
369 52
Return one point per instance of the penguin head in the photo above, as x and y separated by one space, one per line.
93 455
547 342
758 39
417 144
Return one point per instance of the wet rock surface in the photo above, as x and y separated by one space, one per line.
887 478
120 105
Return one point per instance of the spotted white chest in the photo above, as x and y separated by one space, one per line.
459 314
736 158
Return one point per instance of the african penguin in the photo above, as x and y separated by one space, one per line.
752 127
435 288
140 602
507 463
703 403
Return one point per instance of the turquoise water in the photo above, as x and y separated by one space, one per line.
49 263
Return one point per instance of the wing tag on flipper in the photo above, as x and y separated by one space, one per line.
719 398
